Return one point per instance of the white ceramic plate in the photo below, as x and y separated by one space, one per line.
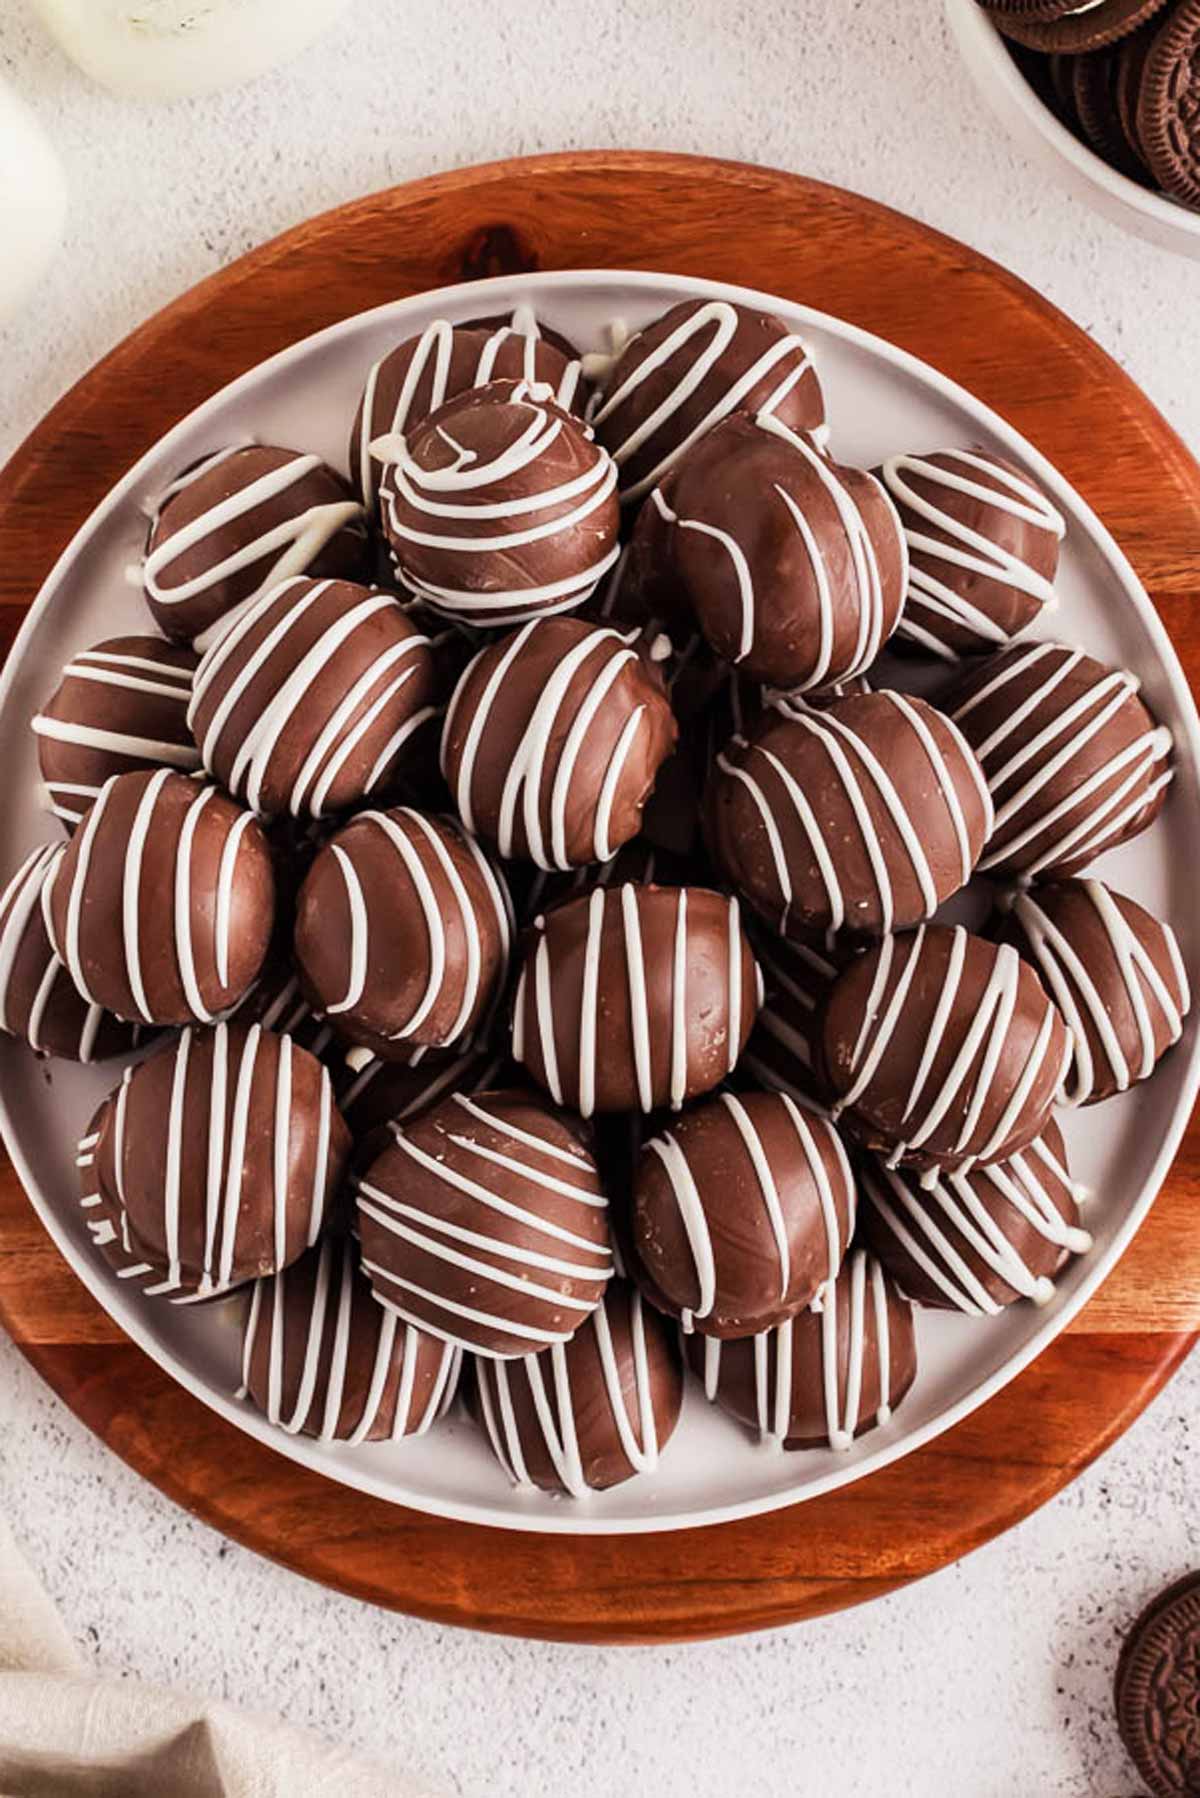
1006 91
880 400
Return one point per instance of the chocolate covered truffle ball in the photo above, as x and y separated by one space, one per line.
781 1053
321 1358
741 1211
687 371
590 1413
825 1377
1116 974
106 1223
402 932
977 1241
864 816
164 902
225 1151
308 702
942 1048
39 1001
795 566
120 706
1074 761
983 543
500 506
635 997
423 372
485 1223
375 1097
553 740
236 525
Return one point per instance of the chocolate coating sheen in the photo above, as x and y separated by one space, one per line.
553 740
682 374
635 997
1074 761
983 543
864 816
782 1054
977 1241
500 506
402 932
320 1358
374 1096
238 523
309 701
119 705
485 1223
445 360
226 1152
795 566
742 1210
942 1049
825 1377
590 1413
39 1001
164 903
1114 971
103 1215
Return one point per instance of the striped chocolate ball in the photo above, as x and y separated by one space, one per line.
742 1210
591 1413
119 706
309 701
635 997
225 1152
865 815
553 740
320 1358
163 905
485 1223
402 932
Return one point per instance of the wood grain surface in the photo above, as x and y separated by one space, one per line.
976 323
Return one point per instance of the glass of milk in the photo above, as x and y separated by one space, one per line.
160 49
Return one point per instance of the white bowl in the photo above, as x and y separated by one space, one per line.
1003 86
880 400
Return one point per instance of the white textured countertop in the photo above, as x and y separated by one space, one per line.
990 1680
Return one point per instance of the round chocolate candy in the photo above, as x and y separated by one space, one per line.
1074 761
825 1376
983 543
687 371
977 1241
376 1097
237 524
423 372
635 997
590 1413
742 1210
1116 974
164 902
864 816
321 1358
795 566
39 1001
225 1151
119 706
485 1223
308 702
941 1048
402 932
552 742
106 1222
500 506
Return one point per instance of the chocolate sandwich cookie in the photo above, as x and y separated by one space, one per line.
1078 28
1131 63
1168 112
1028 9
1094 79
1158 1691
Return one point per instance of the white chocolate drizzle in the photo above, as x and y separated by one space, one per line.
24 930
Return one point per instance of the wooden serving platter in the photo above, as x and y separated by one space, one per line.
977 324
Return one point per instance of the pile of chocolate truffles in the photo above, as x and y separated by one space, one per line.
523 889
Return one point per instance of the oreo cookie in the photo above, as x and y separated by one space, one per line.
1078 28
1168 108
1094 80
1158 1692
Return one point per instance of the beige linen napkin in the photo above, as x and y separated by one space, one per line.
67 1733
